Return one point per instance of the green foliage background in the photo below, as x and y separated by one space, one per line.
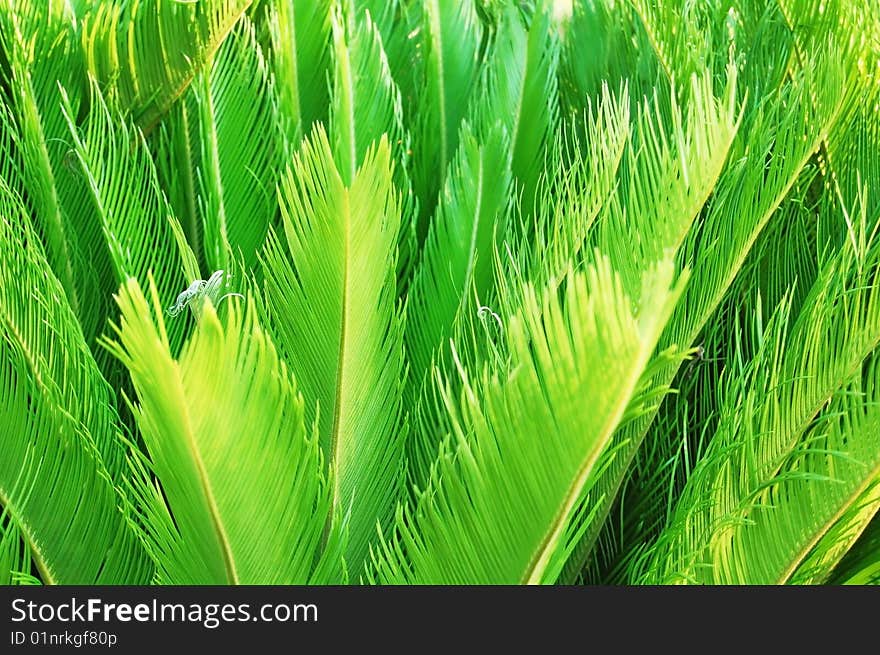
576 291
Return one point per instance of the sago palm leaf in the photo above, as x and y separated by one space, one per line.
667 176
759 495
124 199
120 43
365 101
60 435
15 557
499 501
450 38
214 490
239 159
365 105
42 52
300 63
862 563
581 177
518 87
330 297
457 260
790 129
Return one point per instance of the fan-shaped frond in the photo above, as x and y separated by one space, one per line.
500 500
59 432
223 509
330 297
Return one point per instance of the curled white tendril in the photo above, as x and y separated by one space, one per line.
195 293
484 312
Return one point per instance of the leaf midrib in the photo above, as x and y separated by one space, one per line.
203 480
335 441
441 81
541 558
824 528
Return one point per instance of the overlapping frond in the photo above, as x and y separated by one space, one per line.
240 154
782 136
519 87
125 200
15 557
330 298
457 260
862 563
499 500
450 39
40 44
598 49
61 438
795 454
148 52
365 101
300 63
668 174
213 506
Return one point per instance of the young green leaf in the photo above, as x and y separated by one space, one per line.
228 447
499 500
330 299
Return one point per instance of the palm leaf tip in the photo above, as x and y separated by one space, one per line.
330 296
216 487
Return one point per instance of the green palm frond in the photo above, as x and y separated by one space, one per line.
793 418
15 557
365 105
493 474
119 40
206 491
458 258
598 49
580 181
41 60
399 23
750 190
403 298
125 200
518 87
330 298
61 438
365 101
862 563
450 37
300 63
668 177
237 173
